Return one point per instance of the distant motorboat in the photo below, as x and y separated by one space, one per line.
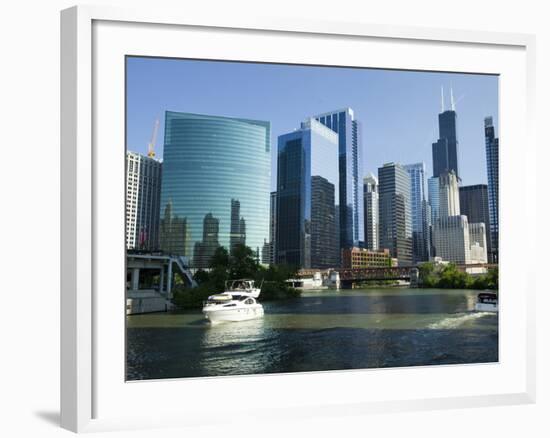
236 303
487 302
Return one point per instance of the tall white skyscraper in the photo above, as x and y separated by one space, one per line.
143 178
449 198
370 193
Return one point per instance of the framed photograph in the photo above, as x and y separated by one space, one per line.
256 208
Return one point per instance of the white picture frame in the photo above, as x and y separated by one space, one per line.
93 397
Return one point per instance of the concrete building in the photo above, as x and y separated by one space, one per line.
143 183
395 212
452 239
449 198
215 184
478 242
474 204
350 169
370 195
357 258
307 223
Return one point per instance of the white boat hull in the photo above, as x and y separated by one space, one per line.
233 315
486 307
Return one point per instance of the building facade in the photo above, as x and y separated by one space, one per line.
370 195
395 212
445 149
478 242
491 152
449 198
359 258
350 167
307 226
268 254
215 170
421 244
143 182
474 203
452 239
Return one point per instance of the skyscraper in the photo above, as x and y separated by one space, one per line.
491 151
307 228
350 165
208 162
143 180
449 199
370 193
445 149
474 203
433 196
417 174
395 212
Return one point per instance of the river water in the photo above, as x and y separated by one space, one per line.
321 330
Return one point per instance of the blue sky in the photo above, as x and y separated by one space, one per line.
397 109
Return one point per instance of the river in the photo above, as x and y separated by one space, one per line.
321 330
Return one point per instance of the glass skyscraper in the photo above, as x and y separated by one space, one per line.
307 227
445 149
491 150
417 174
350 165
215 185
394 210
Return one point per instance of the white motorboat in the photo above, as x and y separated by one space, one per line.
237 303
487 302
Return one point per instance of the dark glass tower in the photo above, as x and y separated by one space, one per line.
307 228
491 151
395 212
474 203
350 168
445 150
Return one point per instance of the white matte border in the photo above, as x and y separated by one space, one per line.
139 404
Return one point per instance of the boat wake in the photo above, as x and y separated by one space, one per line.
456 321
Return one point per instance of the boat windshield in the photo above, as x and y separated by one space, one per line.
487 298
239 284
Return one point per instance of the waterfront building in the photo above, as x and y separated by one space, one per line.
420 233
478 242
449 199
394 210
445 149
216 170
370 194
358 258
350 167
306 224
143 181
491 151
452 239
474 203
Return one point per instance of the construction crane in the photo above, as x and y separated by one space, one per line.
151 146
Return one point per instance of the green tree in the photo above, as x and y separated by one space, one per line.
242 263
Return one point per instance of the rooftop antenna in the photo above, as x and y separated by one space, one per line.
452 100
442 100
151 146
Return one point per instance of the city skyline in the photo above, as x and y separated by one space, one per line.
391 105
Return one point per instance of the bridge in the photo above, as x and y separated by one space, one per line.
402 273
149 281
